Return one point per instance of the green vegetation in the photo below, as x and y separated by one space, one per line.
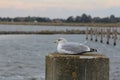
83 20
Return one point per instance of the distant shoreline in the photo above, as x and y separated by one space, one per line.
43 32
63 24
56 24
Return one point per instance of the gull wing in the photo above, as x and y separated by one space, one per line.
75 47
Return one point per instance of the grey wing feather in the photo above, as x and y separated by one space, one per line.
75 48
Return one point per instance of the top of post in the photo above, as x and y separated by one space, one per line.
88 55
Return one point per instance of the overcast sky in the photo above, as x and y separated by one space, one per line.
59 8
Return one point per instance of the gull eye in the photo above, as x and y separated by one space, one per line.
59 39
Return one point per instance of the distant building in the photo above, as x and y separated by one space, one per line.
35 21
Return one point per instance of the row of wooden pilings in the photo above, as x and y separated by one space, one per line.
102 33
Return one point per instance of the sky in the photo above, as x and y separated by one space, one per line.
59 8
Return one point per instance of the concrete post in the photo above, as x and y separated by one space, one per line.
87 66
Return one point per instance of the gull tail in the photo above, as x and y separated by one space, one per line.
93 50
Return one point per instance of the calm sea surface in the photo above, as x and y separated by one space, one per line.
22 57
36 28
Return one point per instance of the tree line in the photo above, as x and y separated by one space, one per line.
84 18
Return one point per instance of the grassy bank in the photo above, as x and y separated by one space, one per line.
64 24
44 32
48 32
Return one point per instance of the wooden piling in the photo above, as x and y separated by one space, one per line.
108 36
114 36
104 32
87 66
91 34
101 39
112 33
96 34
87 32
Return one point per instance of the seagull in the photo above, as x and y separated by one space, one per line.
72 47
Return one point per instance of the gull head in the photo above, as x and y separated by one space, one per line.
60 40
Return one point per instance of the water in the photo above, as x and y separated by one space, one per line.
44 28
36 28
22 57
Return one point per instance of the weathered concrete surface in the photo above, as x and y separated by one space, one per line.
87 66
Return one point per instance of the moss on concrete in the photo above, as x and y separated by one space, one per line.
89 66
